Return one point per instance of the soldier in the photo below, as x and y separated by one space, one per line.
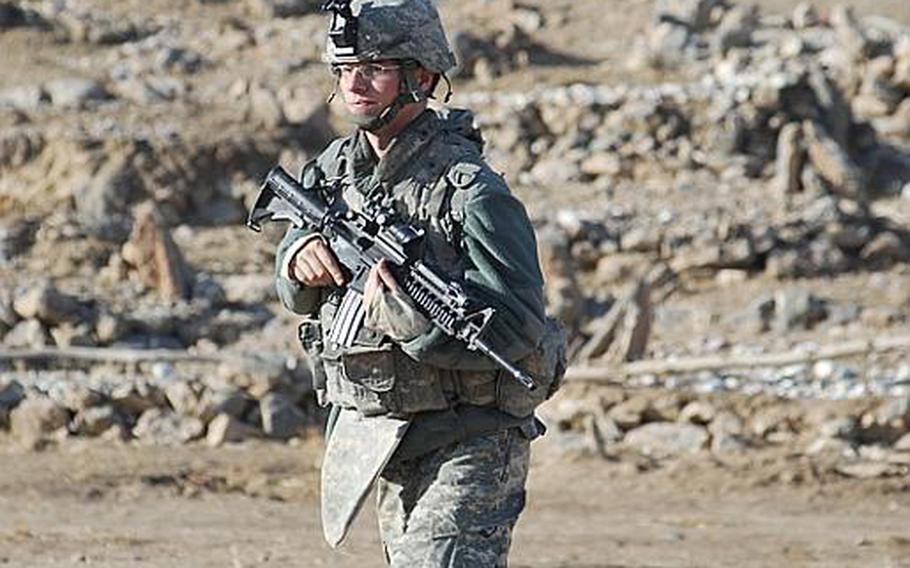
442 432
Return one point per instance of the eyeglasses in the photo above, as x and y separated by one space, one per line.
368 71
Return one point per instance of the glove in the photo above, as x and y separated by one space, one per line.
393 313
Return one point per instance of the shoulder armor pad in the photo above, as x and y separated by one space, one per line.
463 174
331 159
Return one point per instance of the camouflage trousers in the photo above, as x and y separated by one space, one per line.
455 506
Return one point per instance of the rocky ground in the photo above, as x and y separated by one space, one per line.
721 193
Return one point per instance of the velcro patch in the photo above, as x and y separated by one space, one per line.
463 174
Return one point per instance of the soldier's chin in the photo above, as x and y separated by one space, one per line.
360 119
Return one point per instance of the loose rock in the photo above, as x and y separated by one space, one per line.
662 439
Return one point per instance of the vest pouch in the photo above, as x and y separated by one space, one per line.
360 378
546 365
477 388
419 387
383 380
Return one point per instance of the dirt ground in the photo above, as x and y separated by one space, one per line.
109 505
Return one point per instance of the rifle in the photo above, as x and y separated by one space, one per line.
359 240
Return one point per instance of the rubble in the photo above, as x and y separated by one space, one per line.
74 92
785 121
42 301
283 8
762 164
76 24
166 404
225 429
616 422
500 49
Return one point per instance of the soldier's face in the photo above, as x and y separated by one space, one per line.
368 88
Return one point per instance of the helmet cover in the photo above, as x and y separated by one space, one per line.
370 30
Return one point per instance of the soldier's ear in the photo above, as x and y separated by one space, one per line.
427 80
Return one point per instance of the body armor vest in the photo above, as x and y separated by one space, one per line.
374 375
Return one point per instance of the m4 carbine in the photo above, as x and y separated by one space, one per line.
359 240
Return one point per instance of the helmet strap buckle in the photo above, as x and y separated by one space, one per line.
409 85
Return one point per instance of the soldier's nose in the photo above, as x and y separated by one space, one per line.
358 83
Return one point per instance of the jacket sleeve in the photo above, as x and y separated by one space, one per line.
294 296
502 271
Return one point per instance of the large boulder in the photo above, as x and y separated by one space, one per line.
103 195
667 439
75 92
44 302
167 428
157 260
280 416
35 418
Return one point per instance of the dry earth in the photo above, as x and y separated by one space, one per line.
102 504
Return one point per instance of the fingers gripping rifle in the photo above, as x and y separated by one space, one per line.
360 240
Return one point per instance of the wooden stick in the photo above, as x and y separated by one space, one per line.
719 362
633 330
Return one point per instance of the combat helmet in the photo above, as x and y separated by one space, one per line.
409 31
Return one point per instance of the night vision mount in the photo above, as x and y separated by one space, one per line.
343 31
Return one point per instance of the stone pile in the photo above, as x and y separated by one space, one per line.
823 379
159 403
93 182
72 93
153 60
486 55
780 104
781 119
72 22
865 440
283 8
819 238
185 311
785 104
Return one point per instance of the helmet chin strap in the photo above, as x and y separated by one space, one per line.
409 91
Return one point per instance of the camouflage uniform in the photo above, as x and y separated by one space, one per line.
449 504
455 486
455 506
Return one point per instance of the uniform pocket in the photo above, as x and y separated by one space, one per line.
371 369
385 380
366 379
359 379
546 365
419 387
513 397
310 335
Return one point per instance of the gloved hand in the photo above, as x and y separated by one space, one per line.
388 309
